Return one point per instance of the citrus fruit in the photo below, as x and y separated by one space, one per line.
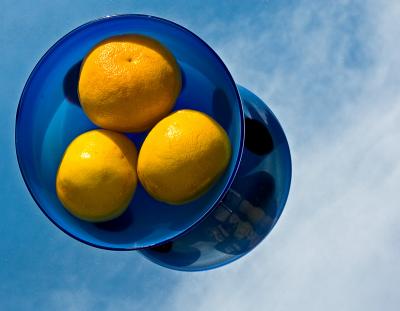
97 176
182 156
128 83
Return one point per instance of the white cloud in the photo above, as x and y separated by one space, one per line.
68 300
336 245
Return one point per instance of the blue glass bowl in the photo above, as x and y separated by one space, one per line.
252 206
49 117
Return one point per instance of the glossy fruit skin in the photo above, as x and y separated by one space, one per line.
128 83
182 156
97 177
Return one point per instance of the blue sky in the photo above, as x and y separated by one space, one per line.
330 72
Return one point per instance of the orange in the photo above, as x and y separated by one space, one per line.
182 156
97 176
128 83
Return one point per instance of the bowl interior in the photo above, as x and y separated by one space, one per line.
50 116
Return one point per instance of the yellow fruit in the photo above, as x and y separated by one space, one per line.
128 83
97 175
182 156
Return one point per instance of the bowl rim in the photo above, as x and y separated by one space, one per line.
22 100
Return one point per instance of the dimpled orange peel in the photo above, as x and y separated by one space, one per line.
182 156
97 176
128 83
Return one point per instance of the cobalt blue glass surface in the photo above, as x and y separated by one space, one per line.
49 117
250 208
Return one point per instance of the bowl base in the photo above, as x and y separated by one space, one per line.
251 207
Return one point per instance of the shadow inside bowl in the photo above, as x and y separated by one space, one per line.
222 112
118 224
70 83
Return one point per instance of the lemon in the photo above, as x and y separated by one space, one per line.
182 156
97 176
128 83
